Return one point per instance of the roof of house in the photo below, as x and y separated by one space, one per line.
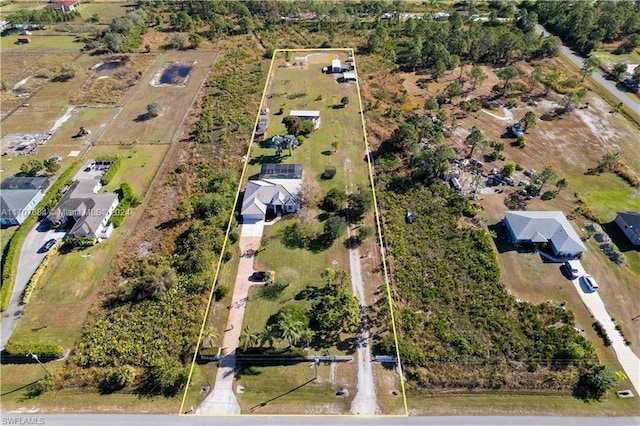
280 171
349 75
259 194
543 226
81 201
66 3
304 113
17 193
19 182
632 220
335 63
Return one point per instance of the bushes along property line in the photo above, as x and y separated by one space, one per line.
113 169
42 350
10 261
127 199
35 278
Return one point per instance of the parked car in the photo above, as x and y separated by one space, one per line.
590 282
47 246
516 130
262 276
573 268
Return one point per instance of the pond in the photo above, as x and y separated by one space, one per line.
176 74
108 66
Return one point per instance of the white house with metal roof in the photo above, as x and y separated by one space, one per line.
312 115
551 227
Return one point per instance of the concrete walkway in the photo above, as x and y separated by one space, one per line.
628 360
222 399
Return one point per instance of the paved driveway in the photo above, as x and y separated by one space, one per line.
628 360
222 400
29 260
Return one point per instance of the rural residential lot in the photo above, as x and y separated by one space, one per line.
310 209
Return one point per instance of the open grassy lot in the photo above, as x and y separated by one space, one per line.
5 236
276 389
40 43
518 405
105 10
74 400
173 101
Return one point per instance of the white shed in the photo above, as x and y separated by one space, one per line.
336 66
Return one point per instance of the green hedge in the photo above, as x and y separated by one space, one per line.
43 350
35 278
113 169
127 199
10 260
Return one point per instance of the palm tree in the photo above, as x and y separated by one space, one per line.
290 328
307 335
248 338
210 336
268 336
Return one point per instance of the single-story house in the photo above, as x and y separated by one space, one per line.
629 223
19 196
88 211
336 66
349 76
551 227
275 191
24 39
307 115
66 5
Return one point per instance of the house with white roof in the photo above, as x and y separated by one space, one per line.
313 116
539 227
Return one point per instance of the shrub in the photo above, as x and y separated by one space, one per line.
120 377
472 105
508 169
79 241
364 232
602 333
113 169
522 141
228 255
334 200
221 292
35 278
43 350
234 237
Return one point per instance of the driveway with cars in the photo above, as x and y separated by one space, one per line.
592 300
30 258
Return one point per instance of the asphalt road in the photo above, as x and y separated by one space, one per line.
621 95
30 258
173 420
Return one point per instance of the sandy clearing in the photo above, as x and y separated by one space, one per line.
21 83
60 121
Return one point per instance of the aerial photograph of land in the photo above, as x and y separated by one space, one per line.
320 212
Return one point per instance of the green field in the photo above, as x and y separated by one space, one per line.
40 43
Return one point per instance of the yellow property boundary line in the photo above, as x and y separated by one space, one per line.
380 241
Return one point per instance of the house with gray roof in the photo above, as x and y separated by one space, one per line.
538 227
85 210
19 196
629 223
274 192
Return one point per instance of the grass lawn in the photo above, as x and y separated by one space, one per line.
106 11
72 400
519 405
40 43
139 164
275 256
5 236
279 389
607 194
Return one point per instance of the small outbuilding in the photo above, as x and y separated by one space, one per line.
313 116
629 223
349 77
336 67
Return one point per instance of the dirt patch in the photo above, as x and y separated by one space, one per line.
321 58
